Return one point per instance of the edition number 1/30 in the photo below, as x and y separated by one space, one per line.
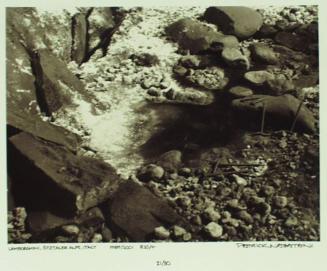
163 263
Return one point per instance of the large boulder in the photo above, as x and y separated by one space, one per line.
196 36
48 176
243 22
280 111
134 211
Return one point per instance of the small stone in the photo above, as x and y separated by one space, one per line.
283 144
214 230
151 172
258 78
211 214
179 70
264 53
190 61
291 221
153 92
70 229
178 231
97 238
184 202
196 220
234 204
187 236
240 92
245 216
268 190
185 172
170 160
106 234
239 180
235 58
263 208
161 233
280 201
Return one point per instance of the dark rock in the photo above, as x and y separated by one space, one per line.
151 172
234 58
291 41
240 92
34 125
263 53
280 85
80 37
245 216
196 36
61 180
258 78
266 31
305 81
170 160
106 234
136 212
280 110
242 22
145 59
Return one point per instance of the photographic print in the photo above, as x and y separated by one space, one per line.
162 124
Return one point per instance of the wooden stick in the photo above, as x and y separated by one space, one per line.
296 116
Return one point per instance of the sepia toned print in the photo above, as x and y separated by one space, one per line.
163 124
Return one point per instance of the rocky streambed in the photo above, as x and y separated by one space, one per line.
163 124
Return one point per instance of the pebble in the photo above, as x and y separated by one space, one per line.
151 172
245 216
214 230
268 190
240 92
235 205
196 220
280 201
291 221
185 171
258 77
106 234
187 236
211 214
161 233
97 238
183 201
239 180
178 231
70 229
264 53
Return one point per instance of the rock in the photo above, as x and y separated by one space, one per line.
258 78
190 61
170 160
161 233
242 22
239 180
80 37
234 58
291 221
184 201
245 216
214 230
240 92
187 95
45 130
222 42
280 85
280 201
179 70
234 204
305 81
266 31
151 172
137 212
211 215
263 53
196 36
106 234
268 190
97 238
263 208
197 220
212 78
100 22
280 111
185 171
70 229
187 237
291 41
179 231
61 180
145 59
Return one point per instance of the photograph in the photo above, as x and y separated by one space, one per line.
162 124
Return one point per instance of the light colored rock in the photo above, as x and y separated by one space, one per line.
214 230
239 180
258 78
70 229
161 233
